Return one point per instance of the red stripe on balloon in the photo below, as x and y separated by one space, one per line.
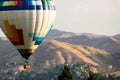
20 35
19 3
14 35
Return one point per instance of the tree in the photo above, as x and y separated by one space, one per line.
65 75
92 76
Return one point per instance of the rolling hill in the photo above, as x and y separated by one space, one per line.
110 44
117 36
54 33
67 47
52 53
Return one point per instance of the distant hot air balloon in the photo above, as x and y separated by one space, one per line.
26 23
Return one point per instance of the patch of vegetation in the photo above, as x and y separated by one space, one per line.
65 72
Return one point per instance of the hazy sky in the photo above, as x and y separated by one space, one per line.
90 16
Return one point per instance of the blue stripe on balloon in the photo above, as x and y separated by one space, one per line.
38 38
39 7
49 7
54 8
30 7
44 4
37 42
45 7
49 29
16 0
31 34
30 2
7 0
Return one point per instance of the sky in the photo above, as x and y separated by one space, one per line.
88 16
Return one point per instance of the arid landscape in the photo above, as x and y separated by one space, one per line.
62 47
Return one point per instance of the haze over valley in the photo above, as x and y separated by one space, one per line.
66 47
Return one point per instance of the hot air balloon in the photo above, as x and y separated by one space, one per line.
26 23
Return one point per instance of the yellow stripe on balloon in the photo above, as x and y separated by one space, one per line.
11 3
6 23
15 38
12 32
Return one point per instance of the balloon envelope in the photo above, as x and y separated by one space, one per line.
26 22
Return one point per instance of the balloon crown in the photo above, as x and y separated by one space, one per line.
26 5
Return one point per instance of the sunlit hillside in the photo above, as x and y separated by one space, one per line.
52 53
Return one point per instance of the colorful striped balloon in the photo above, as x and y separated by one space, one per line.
26 22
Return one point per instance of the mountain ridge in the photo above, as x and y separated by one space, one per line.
52 53
54 33
108 43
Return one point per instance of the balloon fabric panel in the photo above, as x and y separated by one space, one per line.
26 22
